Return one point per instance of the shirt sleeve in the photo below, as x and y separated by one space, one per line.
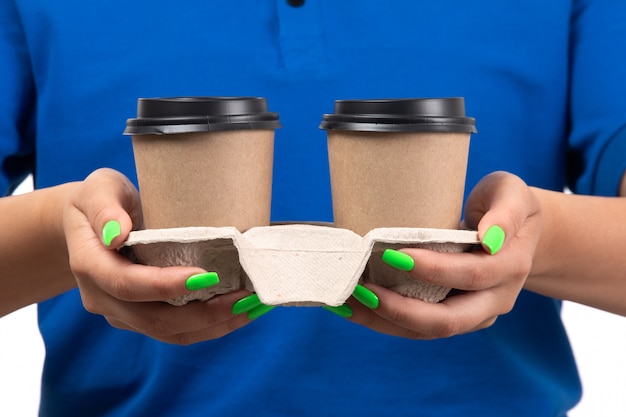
598 96
17 101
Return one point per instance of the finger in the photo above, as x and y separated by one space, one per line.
186 324
111 205
124 280
455 315
214 332
366 317
468 271
485 324
118 324
498 208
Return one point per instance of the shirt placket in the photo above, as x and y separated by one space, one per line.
300 37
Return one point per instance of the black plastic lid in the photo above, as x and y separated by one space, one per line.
400 115
169 115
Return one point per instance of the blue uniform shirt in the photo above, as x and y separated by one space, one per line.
544 81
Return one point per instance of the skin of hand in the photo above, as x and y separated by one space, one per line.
130 296
489 284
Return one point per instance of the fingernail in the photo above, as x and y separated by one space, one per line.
494 239
366 297
110 231
258 311
344 311
246 304
203 280
398 260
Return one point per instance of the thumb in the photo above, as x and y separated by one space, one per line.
498 207
111 204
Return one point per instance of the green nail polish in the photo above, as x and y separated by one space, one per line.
365 297
259 310
110 231
344 311
200 281
246 304
398 260
494 239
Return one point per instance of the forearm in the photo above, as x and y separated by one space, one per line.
580 256
33 255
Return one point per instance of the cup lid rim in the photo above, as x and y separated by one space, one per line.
167 115
400 115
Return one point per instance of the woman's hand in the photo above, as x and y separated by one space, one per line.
508 218
98 216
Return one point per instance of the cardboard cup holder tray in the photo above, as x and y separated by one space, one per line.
295 264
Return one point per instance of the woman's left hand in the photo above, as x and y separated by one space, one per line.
508 218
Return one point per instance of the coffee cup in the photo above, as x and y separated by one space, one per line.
204 161
398 162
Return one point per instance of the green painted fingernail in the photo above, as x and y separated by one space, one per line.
110 231
398 260
494 239
259 310
246 304
344 311
201 281
366 297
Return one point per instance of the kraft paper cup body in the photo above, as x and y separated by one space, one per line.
204 161
398 162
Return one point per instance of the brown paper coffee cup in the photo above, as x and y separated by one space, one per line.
398 162
204 161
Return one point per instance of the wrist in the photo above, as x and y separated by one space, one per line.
545 253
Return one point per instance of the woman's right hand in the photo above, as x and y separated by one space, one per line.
98 216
